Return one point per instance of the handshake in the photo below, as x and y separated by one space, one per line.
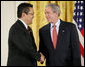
42 58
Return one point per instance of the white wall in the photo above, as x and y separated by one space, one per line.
8 17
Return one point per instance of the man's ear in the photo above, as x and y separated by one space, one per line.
56 13
23 14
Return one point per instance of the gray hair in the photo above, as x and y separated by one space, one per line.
55 7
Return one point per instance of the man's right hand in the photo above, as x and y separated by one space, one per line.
42 58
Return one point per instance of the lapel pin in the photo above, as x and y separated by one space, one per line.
63 31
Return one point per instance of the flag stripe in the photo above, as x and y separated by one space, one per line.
80 36
82 61
82 31
81 44
78 20
82 50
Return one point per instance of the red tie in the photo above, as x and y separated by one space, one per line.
28 30
54 36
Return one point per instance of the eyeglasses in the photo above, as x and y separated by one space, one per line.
31 13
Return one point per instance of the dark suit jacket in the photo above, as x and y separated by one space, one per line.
22 48
67 51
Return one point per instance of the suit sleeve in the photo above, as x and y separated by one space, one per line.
21 42
76 55
42 47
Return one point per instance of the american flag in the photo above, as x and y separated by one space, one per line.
78 19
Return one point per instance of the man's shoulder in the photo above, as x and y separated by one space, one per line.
47 26
15 26
67 24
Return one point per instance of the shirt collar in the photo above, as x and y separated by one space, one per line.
57 24
26 26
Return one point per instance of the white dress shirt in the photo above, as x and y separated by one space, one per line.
26 26
57 28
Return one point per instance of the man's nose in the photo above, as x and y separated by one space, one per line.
33 16
46 15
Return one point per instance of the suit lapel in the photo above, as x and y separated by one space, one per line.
59 37
28 36
61 32
22 27
49 36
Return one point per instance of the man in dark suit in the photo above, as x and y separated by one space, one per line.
21 44
59 41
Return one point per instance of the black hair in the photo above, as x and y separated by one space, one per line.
23 8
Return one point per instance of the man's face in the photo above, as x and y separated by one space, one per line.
30 16
50 15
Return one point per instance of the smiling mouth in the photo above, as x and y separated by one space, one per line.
48 19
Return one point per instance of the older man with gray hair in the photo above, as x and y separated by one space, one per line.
59 41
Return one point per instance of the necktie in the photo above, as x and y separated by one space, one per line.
28 30
54 36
